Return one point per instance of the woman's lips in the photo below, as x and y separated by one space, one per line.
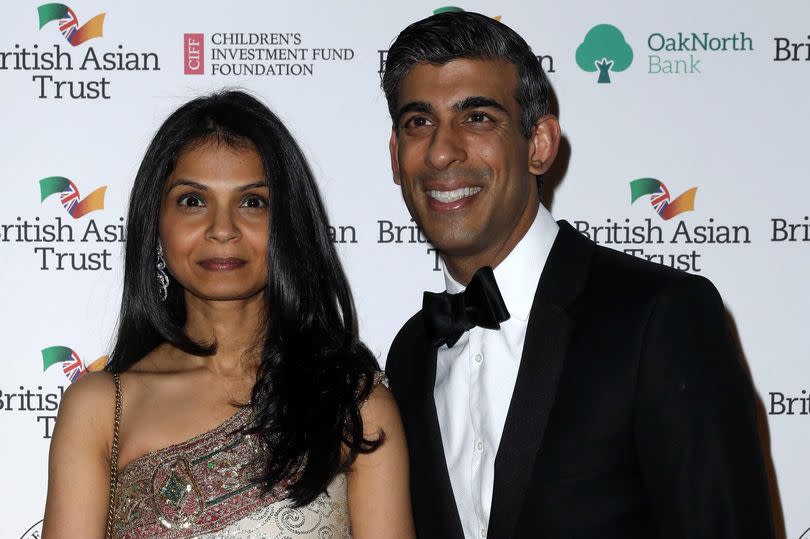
222 264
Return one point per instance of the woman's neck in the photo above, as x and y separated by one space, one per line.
235 327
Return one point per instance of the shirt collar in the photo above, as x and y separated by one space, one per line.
518 274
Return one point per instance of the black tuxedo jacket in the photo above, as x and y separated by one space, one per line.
631 417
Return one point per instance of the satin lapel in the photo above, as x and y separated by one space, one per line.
448 524
540 367
544 350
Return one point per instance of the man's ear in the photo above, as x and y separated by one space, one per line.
543 144
393 146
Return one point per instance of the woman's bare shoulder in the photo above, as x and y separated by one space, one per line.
380 413
86 411
78 467
91 391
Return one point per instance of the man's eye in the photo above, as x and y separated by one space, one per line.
254 201
478 117
191 200
417 121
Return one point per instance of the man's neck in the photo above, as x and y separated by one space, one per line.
462 268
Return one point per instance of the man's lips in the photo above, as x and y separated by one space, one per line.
222 264
451 196
444 199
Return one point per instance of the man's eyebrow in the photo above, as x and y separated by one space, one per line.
414 106
478 101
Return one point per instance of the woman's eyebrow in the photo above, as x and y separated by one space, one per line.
253 185
201 187
181 181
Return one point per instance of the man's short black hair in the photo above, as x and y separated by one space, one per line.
453 35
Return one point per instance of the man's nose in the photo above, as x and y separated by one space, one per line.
446 147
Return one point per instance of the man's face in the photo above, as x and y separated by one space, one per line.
466 170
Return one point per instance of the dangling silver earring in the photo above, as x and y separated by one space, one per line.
162 276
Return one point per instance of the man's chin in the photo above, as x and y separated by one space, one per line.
456 247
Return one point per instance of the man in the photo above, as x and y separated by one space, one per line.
581 393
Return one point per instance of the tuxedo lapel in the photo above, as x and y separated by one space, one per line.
540 367
544 350
435 486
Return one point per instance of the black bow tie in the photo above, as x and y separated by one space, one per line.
448 316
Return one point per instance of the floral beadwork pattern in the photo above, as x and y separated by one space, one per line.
325 518
207 487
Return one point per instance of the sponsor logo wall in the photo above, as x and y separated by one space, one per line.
685 144
53 66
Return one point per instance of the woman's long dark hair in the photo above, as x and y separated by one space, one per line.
314 372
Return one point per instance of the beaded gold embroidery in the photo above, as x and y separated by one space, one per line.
194 487
208 488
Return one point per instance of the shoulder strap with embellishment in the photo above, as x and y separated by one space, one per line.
114 455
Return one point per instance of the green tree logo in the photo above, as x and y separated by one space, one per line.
604 49
448 9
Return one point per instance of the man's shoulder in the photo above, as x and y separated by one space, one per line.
620 282
405 358
610 277
408 335
622 273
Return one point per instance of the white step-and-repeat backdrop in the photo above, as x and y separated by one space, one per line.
706 99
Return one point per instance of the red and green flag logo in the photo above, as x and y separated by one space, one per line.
72 365
660 198
69 23
70 197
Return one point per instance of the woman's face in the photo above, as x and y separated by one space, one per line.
214 222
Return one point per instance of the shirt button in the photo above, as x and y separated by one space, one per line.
479 446
478 358
483 532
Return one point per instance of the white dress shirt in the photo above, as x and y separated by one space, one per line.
476 377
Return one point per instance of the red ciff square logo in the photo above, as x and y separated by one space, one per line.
193 54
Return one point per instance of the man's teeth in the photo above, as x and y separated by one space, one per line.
452 196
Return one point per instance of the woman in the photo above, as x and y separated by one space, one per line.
237 323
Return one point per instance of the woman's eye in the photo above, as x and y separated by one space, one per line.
254 201
190 200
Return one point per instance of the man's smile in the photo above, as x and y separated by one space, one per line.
454 195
